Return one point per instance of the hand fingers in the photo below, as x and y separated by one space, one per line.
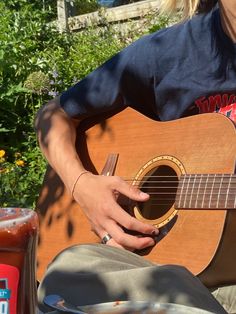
131 223
106 238
112 242
122 217
114 235
108 217
117 220
129 190
126 240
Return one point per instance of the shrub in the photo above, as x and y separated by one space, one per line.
21 177
37 63
85 6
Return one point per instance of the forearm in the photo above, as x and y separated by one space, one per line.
56 135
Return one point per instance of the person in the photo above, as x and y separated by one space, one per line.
185 69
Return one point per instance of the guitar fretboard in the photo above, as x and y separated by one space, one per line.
206 191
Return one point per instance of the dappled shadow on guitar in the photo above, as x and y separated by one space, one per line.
61 221
198 237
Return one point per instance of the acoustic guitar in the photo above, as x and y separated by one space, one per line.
187 166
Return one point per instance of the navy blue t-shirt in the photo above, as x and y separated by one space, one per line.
185 69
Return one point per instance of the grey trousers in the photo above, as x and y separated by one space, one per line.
97 273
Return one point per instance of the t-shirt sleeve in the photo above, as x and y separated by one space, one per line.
127 79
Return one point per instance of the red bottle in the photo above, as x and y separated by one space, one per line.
18 242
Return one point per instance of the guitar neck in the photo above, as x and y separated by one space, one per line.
206 191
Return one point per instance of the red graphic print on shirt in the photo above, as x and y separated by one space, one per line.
225 104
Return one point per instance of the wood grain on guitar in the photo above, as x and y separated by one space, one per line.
186 165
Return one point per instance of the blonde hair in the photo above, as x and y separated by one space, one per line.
188 7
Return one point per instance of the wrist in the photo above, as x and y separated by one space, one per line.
76 181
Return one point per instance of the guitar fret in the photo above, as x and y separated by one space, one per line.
233 187
191 194
180 190
211 193
204 192
198 190
234 191
219 193
225 190
207 189
186 191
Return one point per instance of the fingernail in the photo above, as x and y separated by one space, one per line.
152 243
142 194
155 232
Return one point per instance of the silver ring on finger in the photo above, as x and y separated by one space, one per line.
106 238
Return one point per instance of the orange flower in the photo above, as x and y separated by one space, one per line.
2 153
20 163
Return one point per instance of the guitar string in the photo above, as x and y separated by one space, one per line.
189 175
175 179
200 194
194 174
204 206
166 201
173 198
191 185
167 187
189 178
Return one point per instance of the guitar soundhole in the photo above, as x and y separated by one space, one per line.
161 184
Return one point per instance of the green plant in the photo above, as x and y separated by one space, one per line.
36 64
21 176
85 6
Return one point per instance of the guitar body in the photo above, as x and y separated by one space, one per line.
202 240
